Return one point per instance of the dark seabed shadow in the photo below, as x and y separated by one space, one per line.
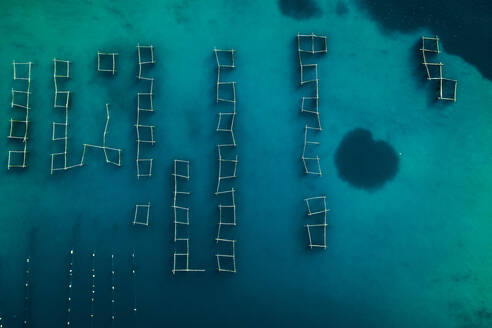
462 26
299 9
364 162
341 9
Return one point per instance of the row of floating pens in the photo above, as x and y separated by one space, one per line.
227 158
20 122
144 130
144 136
309 46
227 173
106 63
430 49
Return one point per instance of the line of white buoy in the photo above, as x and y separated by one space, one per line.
92 297
27 293
133 274
113 291
69 288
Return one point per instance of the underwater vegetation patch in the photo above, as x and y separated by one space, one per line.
363 162
299 9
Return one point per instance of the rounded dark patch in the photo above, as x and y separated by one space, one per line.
299 9
341 8
453 21
364 162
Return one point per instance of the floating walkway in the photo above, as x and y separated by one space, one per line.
228 161
145 132
447 87
19 128
316 207
115 158
102 65
181 256
309 45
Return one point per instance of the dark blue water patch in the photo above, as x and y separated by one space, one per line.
299 9
463 26
341 9
180 12
363 162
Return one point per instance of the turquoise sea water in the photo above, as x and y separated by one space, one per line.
414 252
